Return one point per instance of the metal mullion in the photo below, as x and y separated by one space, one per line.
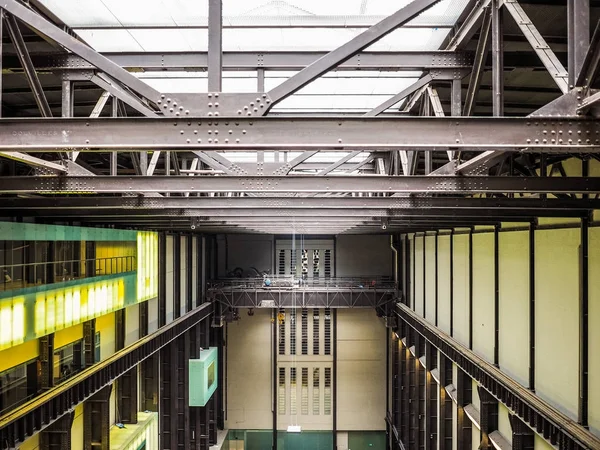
215 45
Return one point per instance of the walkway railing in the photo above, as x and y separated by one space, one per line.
296 283
18 276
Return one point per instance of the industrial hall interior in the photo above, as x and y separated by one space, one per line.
299 224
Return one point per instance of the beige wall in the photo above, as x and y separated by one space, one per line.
418 283
513 278
361 370
444 283
430 276
557 318
483 295
461 288
594 330
132 324
249 371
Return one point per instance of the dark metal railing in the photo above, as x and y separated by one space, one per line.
18 276
291 282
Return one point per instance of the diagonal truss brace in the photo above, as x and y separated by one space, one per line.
539 45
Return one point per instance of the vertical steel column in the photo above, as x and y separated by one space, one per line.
424 280
260 81
89 342
215 45
58 435
421 390
407 266
395 385
532 227
334 374
162 279
584 325
431 398
127 396
413 394
523 437
143 163
120 329
113 155
176 276
479 64
437 233
96 427
67 97
488 417
143 320
452 282
274 375
446 404
388 388
464 388
189 281
150 374
413 300
471 289
497 59
496 296
456 105
578 26
1 56
46 349
168 396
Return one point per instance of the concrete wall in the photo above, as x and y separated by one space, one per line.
245 251
362 255
557 290
249 372
132 324
361 370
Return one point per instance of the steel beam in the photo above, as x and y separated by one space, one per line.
117 91
25 60
468 27
33 161
296 60
578 30
296 184
338 163
591 64
243 134
538 43
497 25
535 205
215 45
346 51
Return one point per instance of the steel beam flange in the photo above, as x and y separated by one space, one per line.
214 104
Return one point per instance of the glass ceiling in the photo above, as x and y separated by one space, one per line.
112 26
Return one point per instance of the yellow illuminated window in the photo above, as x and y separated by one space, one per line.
40 315
109 296
68 307
60 310
6 321
91 302
76 305
18 320
50 313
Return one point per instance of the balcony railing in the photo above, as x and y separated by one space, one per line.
19 276
298 283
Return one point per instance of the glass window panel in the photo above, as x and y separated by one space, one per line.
110 40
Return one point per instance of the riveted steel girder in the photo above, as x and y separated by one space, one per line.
256 133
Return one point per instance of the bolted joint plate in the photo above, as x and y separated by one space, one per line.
214 104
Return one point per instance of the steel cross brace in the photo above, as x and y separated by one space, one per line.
277 133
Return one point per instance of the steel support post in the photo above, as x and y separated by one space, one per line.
488 413
421 376
149 377
189 273
446 404
58 435
523 437
431 398
120 329
127 396
532 227
578 30
496 296
176 276
162 279
414 428
584 325
464 387
46 349
96 416
405 400
471 289
215 45
67 98
456 105
497 59
168 397
1 57
334 376
395 385
89 342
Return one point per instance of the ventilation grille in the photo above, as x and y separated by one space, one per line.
327 400
304 332
328 332
281 332
281 402
281 266
316 337
293 391
316 392
293 332
327 263
304 391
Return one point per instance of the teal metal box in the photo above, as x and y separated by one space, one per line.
203 379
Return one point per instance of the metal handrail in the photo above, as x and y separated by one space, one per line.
17 276
286 281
